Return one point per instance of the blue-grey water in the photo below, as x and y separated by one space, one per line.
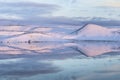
83 60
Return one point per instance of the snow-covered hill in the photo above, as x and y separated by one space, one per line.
96 32
33 33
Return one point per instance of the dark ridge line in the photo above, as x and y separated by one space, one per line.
21 31
69 41
22 49
96 40
80 51
21 35
24 32
76 31
30 41
33 28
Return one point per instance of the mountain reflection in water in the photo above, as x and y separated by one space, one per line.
60 61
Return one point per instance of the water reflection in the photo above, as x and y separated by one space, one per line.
97 48
60 61
23 68
87 48
26 67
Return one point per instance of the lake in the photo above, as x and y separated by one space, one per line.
50 60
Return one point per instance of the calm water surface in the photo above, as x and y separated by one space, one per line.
84 60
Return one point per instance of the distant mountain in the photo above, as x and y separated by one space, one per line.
96 32
32 33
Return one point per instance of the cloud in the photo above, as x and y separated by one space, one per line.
10 17
28 4
33 13
41 21
60 21
112 3
107 7
27 9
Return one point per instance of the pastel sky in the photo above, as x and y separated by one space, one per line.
60 10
